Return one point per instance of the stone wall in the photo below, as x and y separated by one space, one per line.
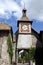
4 60
24 41
36 42
4 54
14 52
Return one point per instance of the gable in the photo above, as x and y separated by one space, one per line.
4 26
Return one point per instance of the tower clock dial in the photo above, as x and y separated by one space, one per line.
24 27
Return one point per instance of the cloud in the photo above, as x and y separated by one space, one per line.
34 8
6 8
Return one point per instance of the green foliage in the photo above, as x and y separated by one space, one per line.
25 56
19 60
10 49
32 54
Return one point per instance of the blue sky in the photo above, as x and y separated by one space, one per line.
11 11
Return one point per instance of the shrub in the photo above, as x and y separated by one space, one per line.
10 49
32 54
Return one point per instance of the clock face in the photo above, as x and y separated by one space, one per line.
24 27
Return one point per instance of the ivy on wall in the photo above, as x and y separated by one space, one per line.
10 49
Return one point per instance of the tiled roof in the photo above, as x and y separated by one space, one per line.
24 19
4 26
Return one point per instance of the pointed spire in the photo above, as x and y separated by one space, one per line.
24 11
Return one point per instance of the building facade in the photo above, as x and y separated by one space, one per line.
5 29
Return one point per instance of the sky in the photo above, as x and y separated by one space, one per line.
11 11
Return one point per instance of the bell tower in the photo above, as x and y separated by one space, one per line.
24 34
24 23
24 40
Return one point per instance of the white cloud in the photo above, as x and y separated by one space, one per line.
34 8
9 6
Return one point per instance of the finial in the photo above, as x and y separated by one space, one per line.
24 10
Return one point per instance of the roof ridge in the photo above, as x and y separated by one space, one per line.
5 23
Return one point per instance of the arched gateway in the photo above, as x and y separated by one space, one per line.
24 40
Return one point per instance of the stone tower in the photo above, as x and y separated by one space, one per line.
24 37
5 29
24 41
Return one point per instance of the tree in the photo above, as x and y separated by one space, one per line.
25 56
10 49
32 53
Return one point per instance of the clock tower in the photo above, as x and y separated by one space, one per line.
24 33
24 23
